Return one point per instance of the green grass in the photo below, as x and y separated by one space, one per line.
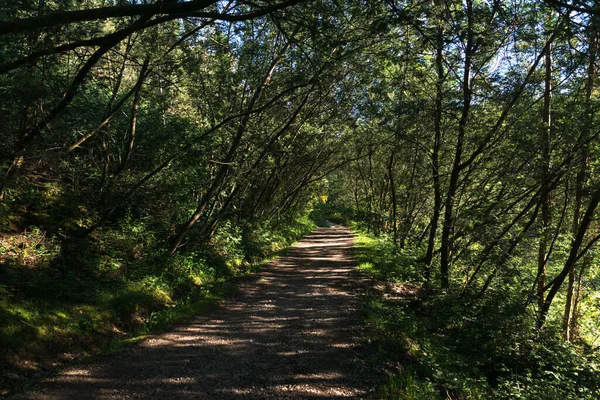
380 259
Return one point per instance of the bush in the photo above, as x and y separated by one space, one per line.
453 345
81 295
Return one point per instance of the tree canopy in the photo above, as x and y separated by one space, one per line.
464 132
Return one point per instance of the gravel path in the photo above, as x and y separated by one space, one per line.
291 333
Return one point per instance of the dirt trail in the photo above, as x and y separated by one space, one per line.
289 334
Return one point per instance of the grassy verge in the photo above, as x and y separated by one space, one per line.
60 302
439 345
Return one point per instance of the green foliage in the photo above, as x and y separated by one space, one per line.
89 295
448 345
260 241
319 217
335 213
407 385
379 258
243 125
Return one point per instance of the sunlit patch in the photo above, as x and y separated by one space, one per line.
286 334
320 376
341 345
77 372
179 380
312 390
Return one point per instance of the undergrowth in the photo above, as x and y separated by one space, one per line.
441 345
63 299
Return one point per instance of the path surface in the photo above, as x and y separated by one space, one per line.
290 334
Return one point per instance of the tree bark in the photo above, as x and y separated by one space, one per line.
457 164
393 192
545 198
229 158
109 113
134 111
69 17
33 132
569 322
435 162
574 255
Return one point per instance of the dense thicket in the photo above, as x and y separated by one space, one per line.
479 157
150 149
482 149
144 143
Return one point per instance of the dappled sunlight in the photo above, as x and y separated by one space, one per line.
290 332
77 372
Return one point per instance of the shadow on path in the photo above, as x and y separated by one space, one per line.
289 334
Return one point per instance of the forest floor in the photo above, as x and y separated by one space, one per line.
292 331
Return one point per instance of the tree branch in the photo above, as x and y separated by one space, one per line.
173 11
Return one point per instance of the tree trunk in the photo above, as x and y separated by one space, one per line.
574 255
109 113
545 198
34 131
410 203
134 111
574 321
456 166
435 162
569 320
393 192
229 158
570 298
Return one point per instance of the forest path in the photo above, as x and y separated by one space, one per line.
290 333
